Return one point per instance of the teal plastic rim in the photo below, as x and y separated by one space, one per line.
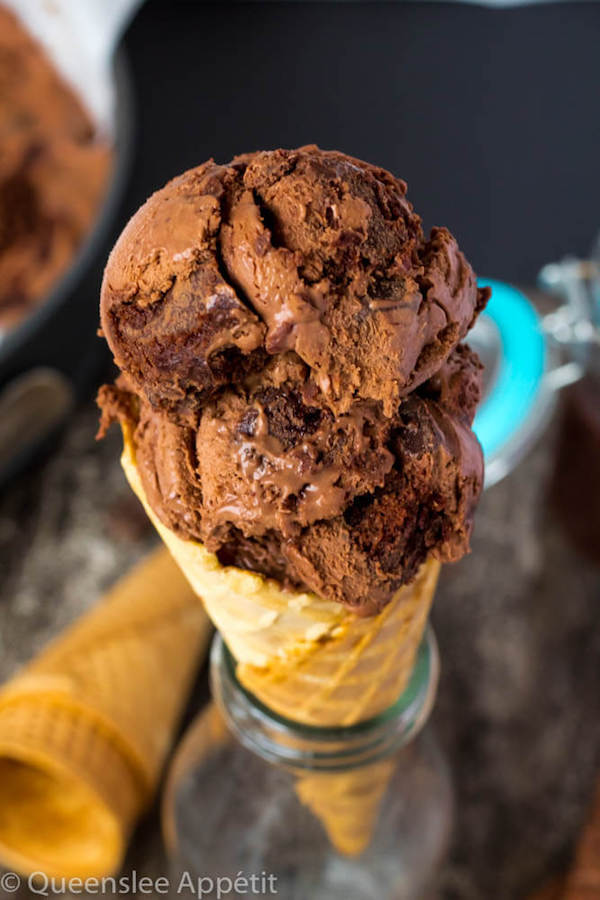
510 404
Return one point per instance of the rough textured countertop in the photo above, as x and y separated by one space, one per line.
518 623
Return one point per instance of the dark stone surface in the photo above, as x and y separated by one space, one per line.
519 703
517 621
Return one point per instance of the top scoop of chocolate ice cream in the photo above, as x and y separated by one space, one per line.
292 367
306 251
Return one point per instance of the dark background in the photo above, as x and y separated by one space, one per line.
492 116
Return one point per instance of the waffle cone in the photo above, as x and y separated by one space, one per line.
347 803
85 728
311 660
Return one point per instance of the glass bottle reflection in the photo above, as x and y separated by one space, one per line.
302 812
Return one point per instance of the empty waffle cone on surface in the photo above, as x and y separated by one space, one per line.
310 660
85 728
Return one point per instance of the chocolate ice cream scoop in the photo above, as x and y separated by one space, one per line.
303 250
293 374
346 506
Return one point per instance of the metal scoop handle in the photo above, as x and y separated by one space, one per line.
572 326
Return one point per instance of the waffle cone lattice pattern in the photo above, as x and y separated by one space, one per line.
311 661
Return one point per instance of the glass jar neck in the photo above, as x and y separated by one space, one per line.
304 747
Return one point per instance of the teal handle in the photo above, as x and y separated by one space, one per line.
522 364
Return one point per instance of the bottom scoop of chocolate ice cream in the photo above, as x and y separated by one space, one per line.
348 506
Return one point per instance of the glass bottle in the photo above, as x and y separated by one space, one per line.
259 804
575 482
